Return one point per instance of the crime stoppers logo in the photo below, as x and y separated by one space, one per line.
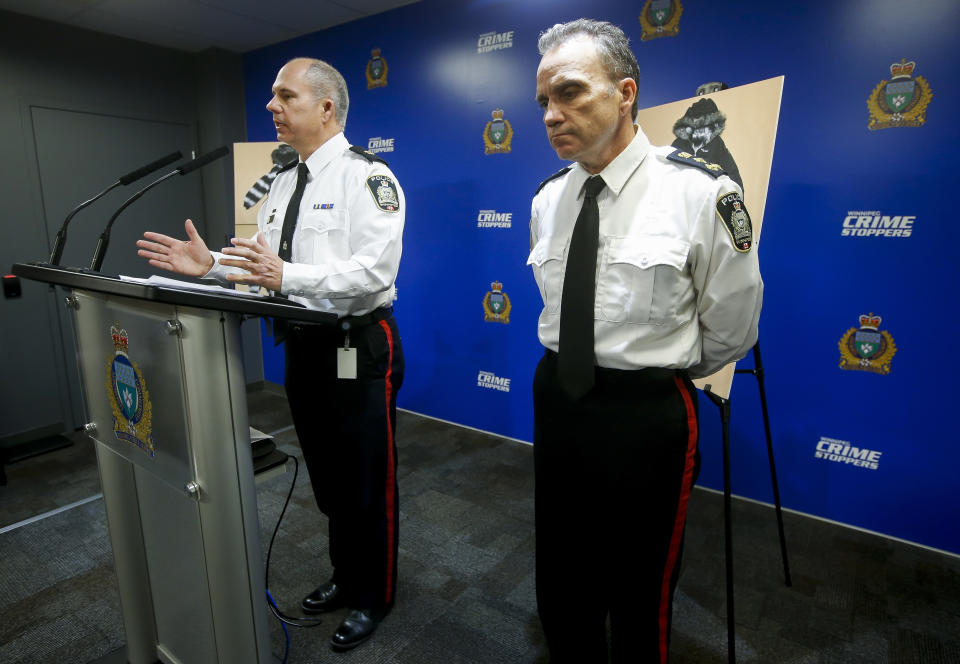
378 144
494 41
128 396
867 348
840 451
496 305
900 102
494 219
660 18
873 223
491 381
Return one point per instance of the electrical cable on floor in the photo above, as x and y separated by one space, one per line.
283 618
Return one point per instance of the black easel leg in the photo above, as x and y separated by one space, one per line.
758 363
724 406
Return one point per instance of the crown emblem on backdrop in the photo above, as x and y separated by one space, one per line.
902 69
496 287
497 114
900 102
375 53
120 339
870 321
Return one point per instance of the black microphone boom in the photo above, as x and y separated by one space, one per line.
133 176
203 160
189 167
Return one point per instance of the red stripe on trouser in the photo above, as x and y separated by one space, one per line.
678 524
391 466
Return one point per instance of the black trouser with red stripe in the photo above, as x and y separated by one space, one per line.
346 431
614 472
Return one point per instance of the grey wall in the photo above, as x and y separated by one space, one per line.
49 66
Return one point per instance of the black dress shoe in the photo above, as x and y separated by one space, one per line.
356 628
327 597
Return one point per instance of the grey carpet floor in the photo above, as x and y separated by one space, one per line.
465 591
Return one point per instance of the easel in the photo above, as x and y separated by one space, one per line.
723 404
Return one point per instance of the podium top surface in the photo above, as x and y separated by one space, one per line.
81 279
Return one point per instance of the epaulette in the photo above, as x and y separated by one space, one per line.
560 173
366 154
681 157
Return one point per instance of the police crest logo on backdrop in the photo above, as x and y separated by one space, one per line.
496 305
867 348
128 396
900 102
497 134
376 70
660 18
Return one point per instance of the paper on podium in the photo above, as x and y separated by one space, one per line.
189 285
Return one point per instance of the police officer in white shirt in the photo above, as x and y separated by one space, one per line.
337 249
647 265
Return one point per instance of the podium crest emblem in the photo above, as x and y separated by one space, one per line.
128 396
867 348
496 305
660 18
376 70
497 134
900 102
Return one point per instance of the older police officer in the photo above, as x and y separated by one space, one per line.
646 263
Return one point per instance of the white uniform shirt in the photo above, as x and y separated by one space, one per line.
346 247
672 291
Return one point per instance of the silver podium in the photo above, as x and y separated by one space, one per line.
166 405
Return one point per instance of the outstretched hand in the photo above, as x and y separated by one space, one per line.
190 257
263 265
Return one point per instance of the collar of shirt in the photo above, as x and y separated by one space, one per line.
618 171
324 154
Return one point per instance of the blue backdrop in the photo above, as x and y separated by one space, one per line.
441 91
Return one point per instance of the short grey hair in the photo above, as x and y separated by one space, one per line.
327 82
612 45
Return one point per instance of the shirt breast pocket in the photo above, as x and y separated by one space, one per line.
321 236
546 258
639 281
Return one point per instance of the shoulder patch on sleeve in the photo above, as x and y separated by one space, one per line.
736 220
681 157
384 192
560 173
366 154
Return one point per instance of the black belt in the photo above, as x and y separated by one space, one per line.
375 316
612 375
347 322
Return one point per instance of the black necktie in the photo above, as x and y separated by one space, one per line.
286 240
576 360
290 218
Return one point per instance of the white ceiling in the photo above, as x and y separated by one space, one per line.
195 25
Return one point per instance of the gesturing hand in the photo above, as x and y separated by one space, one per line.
191 258
263 265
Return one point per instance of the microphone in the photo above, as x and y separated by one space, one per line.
132 176
189 167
